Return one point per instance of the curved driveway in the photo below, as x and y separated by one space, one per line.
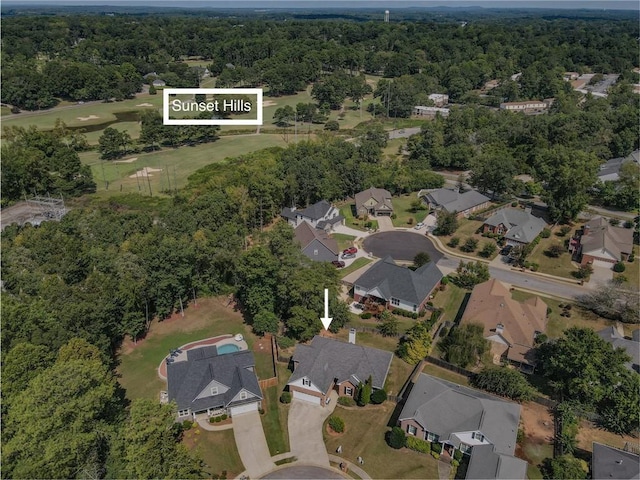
401 245
303 472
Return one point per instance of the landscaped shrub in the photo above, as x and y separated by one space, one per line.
435 455
457 454
332 125
285 342
418 445
470 245
212 419
346 401
366 315
436 447
217 419
584 271
414 315
187 424
396 438
455 463
619 267
564 230
285 397
261 411
546 233
223 417
514 204
336 424
534 267
453 243
631 258
379 396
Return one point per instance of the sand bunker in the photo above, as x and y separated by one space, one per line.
268 103
90 117
144 105
145 172
128 160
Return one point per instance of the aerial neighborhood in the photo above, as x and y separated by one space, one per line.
375 243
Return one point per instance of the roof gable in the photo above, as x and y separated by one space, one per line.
305 234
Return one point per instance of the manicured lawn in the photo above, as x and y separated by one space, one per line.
5 111
350 221
175 165
139 363
217 449
364 436
632 272
445 374
535 454
274 422
450 300
398 375
466 229
357 263
561 266
374 340
405 217
344 241
557 324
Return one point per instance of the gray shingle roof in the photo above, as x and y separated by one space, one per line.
186 379
443 408
521 225
453 201
400 282
599 236
305 234
315 212
326 359
632 347
485 463
608 462
380 195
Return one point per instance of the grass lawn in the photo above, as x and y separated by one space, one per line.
217 449
5 111
561 266
138 363
175 164
357 263
450 300
445 374
364 434
632 272
344 241
374 340
274 423
557 324
467 228
350 221
535 453
402 209
398 375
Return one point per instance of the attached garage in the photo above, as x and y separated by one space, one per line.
603 263
307 398
239 410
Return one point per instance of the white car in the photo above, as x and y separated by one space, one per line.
419 226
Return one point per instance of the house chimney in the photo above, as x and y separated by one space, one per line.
352 335
499 328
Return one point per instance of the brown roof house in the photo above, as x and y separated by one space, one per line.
509 325
374 201
327 365
316 244
603 244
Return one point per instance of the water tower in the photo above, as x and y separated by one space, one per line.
386 16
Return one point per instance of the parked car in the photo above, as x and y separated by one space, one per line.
506 250
348 255
359 306
338 263
353 250
419 226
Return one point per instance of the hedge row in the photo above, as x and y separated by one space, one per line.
418 445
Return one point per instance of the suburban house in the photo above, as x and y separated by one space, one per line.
570 76
528 106
439 99
519 227
423 111
327 365
615 337
374 201
610 170
509 325
159 83
320 215
600 243
478 424
316 244
389 285
213 383
609 462
453 201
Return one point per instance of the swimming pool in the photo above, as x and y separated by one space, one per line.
227 348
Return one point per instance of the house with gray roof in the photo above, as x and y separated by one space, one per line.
616 338
609 462
610 170
519 227
320 215
464 204
316 244
480 425
327 365
205 381
600 243
394 286
374 202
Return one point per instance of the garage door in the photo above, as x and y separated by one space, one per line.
602 263
249 407
306 397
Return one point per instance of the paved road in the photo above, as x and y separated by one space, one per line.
401 245
304 472
252 444
403 132
305 430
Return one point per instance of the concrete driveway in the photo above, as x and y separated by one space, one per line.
600 276
305 431
252 444
384 223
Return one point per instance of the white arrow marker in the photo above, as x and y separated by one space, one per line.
326 320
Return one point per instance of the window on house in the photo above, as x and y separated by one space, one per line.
465 448
478 436
348 391
306 382
395 301
214 390
315 252
183 413
411 430
431 437
415 308
243 395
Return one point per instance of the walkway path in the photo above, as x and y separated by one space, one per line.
252 444
444 470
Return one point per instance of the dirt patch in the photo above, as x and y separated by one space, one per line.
90 117
128 160
144 105
268 103
589 433
145 172
537 422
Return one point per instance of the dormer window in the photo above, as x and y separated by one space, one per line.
243 395
306 382
478 436
214 390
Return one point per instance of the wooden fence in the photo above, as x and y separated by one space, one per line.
268 382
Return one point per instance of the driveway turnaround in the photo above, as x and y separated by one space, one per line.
305 431
252 444
303 472
401 245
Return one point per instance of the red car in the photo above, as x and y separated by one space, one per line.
350 250
338 263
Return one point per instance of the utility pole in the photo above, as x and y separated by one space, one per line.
149 183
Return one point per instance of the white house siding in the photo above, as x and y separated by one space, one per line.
238 397
409 307
239 410
206 392
298 383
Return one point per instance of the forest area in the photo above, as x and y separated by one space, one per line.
74 290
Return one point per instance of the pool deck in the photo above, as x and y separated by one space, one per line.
219 340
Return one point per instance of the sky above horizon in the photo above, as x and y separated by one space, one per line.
390 4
